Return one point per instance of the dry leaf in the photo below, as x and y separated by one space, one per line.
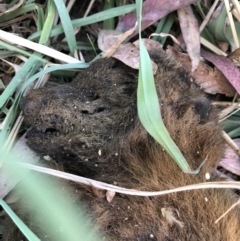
152 11
127 53
110 51
212 81
106 38
231 161
191 36
151 45
226 66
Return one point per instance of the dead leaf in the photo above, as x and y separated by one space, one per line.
190 31
110 195
168 214
106 38
110 51
151 45
212 81
226 66
127 53
231 161
152 11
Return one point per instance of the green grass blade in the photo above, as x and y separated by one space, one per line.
98 17
48 23
66 25
40 18
17 79
234 133
167 27
23 228
51 69
148 104
9 120
20 11
159 28
60 211
108 23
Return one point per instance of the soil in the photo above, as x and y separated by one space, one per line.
91 128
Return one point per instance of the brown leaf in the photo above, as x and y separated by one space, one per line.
151 45
152 11
108 40
212 81
121 37
129 55
231 161
226 66
190 32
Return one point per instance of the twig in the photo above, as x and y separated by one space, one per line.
205 21
231 143
233 206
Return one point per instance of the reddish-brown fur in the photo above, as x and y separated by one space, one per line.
141 163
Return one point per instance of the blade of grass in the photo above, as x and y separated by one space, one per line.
40 19
234 133
48 23
108 23
66 25
54 202
167 27
9 121
16 50
20 11
17 79
37 47
98 17
159 28
23 228
148 104
51 69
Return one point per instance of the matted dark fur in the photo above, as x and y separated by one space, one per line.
97 111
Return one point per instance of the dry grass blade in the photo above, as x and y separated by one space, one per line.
206 19
230 17
12 38
113 188
232 207
212 47
231 143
